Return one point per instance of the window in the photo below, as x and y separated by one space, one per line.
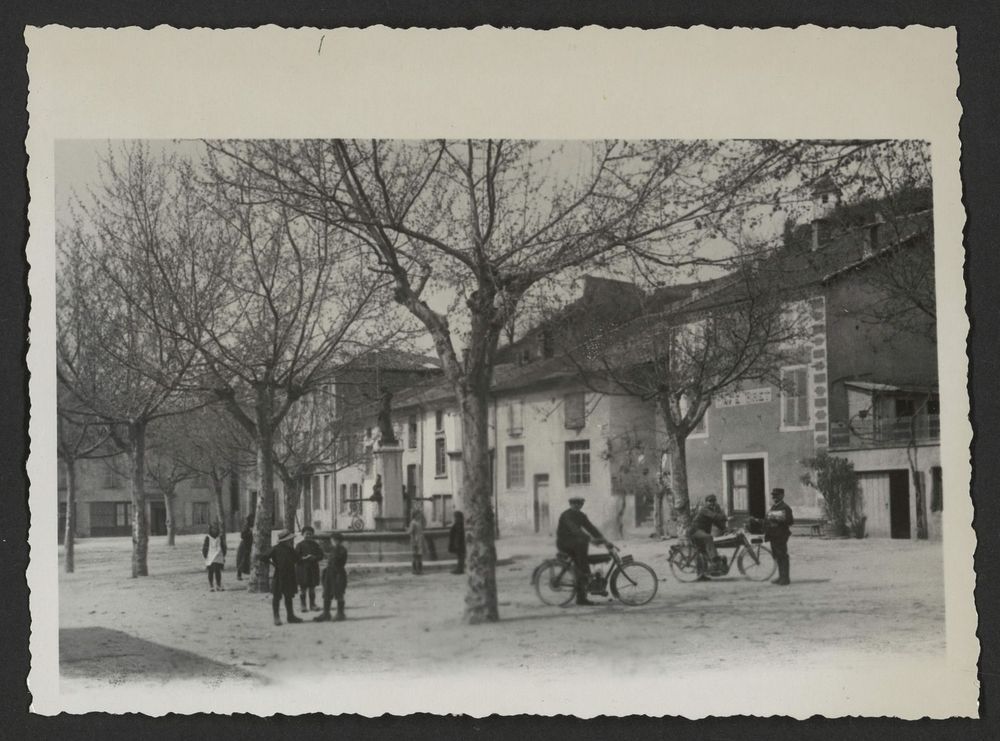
794 397
355 505
701 429
578 462
575 411
515 466
123 514
442 509
439 421
110 518
411 436
199 513
548 343
905 408
343 497
111 478
515 418
440 459
937 498
62 475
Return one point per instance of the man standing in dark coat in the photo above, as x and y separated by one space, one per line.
283 557
334 580
777 529
573 535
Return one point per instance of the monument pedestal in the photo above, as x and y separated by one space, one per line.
388 463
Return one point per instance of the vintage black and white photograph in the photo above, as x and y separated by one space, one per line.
412 410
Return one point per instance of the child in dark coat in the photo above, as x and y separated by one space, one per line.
307 569
246 546
334 580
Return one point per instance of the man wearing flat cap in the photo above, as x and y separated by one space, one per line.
573 535
777 529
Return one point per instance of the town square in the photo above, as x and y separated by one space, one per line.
350 422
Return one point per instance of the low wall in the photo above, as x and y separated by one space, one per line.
376 546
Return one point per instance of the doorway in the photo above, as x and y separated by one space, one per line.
411 490
885 502
157 518
746 493
542 518
899 504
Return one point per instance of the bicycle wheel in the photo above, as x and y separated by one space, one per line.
634 584
556 583
757 563
684 563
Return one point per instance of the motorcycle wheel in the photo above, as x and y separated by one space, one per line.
684 563
555 583
757 563
634 584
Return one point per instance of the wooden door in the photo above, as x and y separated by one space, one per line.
543 520
874 489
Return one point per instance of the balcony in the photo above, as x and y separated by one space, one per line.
885 433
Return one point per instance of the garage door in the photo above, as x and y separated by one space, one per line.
885 497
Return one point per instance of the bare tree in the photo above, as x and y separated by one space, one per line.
314 436
165 470
114 357
464 229
269 301
81 436
682 357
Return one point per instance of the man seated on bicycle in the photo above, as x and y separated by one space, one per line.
709 515
573 535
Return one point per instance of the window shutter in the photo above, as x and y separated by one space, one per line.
573 405
802 392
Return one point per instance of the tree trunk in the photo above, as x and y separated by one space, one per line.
293 495
480 527
682 501
220 511
69 539
168 508
658 512
258 581
140 532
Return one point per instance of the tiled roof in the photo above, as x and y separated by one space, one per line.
390 359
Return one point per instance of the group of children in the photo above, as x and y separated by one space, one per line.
296 569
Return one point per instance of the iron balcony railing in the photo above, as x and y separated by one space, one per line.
885 433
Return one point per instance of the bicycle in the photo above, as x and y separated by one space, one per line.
632 582
753 559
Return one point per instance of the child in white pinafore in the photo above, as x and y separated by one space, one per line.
214 551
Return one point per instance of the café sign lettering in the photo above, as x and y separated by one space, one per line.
743 398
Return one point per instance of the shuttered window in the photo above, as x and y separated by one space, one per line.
575 411
795 397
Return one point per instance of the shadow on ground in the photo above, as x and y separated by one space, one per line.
116 656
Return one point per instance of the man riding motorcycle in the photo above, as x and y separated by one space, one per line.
709 515
573 535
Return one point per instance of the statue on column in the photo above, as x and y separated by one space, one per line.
386 433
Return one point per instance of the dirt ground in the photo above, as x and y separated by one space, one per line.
871 598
